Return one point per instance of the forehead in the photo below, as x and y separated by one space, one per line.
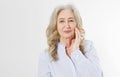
66 13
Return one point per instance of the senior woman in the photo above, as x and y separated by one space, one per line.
68 53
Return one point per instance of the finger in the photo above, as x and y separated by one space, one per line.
76 32
73 40
79 34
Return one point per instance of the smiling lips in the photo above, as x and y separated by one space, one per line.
67 31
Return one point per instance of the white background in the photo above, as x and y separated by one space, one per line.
22 33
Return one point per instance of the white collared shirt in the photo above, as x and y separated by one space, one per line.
78 65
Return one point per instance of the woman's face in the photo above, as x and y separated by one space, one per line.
66 24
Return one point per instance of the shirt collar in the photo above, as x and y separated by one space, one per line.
61 50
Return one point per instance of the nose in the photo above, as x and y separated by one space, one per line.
67 25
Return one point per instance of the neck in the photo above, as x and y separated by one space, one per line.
65 41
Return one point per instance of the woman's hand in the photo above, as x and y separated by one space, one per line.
74 42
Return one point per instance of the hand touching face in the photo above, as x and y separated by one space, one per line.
74 43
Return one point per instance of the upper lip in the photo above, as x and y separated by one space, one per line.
67 30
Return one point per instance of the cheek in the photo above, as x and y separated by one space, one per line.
59 29
73 27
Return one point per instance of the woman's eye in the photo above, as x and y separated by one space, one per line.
61 21
71 20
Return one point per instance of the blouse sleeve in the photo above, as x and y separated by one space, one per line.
43 66
87 65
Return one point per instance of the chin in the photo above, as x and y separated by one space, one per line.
68 37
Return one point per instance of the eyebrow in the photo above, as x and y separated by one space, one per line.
68 18
71 18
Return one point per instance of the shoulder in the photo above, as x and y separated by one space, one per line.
44 55
88 42
88 45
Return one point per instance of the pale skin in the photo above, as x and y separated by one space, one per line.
66 26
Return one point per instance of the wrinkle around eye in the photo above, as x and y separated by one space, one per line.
71 20
61 21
